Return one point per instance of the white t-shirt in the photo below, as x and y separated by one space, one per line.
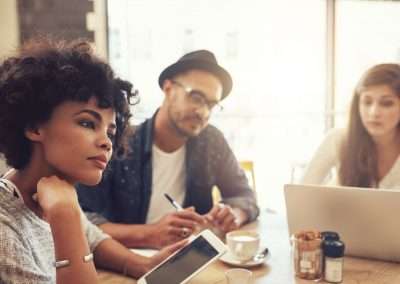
169 176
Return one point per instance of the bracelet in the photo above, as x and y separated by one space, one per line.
61 263
67 262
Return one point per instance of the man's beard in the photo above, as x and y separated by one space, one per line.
179 130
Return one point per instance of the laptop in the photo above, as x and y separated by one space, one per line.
367 220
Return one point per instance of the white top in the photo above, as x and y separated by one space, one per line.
169 176
323 167
26 242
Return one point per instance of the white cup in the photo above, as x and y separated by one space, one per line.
243 245
238 276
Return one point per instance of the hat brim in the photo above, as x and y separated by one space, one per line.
183 66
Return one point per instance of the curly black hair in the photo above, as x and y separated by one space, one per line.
46 73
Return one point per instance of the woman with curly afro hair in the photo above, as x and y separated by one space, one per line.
63 113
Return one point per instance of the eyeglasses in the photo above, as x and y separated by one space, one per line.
198 98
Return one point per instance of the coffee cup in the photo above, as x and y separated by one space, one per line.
243 245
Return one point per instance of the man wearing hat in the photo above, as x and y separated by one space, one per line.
176 152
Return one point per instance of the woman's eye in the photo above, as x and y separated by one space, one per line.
387 103
111 136
366 102
87 124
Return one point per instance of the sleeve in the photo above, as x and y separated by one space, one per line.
94 235
96 218
232 181
324 159
17 263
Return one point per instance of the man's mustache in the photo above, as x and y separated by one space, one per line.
198 118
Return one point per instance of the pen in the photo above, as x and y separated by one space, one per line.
173 202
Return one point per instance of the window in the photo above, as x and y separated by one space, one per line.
366 34
276 55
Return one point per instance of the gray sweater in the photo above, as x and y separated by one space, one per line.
26 242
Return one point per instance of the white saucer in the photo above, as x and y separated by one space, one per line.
228 258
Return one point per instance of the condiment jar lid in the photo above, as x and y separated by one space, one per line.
333 248
330 236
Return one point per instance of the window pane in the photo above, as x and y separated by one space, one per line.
276 55
367 33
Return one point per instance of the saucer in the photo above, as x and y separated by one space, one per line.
228 258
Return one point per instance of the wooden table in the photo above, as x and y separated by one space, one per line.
278 268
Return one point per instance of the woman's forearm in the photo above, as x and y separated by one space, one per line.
70 244
111 255
131 236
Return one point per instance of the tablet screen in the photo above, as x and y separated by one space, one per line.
184 263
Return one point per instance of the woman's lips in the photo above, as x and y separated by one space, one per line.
99 161
374 123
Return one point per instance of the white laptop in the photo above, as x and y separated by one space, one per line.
367 220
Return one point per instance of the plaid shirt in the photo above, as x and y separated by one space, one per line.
124 194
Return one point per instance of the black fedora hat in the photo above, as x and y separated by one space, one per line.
199 59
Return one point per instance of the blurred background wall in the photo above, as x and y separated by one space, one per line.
21 20
9 26
10 35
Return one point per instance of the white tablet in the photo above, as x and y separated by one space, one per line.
180 267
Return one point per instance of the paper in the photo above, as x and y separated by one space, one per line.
145 252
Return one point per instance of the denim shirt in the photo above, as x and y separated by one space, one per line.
123 196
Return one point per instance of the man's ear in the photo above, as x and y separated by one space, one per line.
166 87
33 133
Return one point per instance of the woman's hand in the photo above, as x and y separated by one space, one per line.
135 265
56 197
166 252
59 203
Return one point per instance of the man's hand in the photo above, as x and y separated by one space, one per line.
174 227
226 218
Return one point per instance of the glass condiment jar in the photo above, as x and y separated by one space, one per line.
333 261
307 254
330 236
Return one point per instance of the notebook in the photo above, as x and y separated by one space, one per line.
368 220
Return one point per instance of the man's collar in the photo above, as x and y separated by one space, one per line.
149 133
